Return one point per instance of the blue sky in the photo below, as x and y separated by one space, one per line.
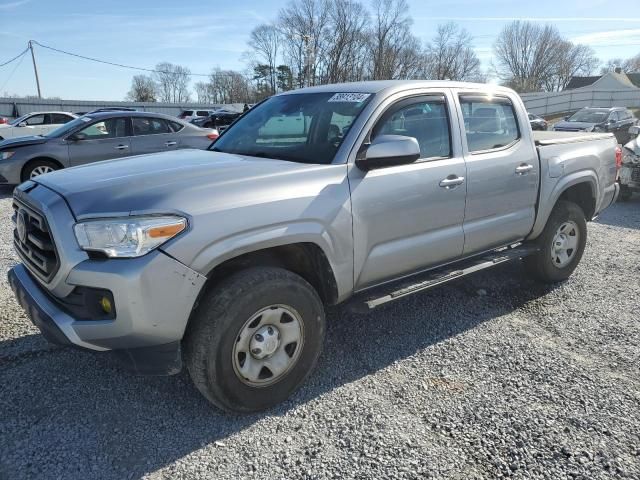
205 34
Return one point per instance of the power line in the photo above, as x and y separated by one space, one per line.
14 58
131 67
22 55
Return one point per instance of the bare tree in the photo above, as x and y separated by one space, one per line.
395 50
630 65
527 54
450 55
303 24
203 92
265 42
172 82
573 60
143 89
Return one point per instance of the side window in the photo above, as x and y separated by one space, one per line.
35 120
614 116
202 113
489 122
60 118
110 128
150 126
427 121
290 129
175 126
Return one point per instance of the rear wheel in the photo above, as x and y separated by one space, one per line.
37 168
254 339
561 244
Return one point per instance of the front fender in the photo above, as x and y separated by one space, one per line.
335 249
549 195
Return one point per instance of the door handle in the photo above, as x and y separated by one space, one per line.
523 169
451 181
121 147
170 144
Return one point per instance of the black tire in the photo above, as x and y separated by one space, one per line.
625 193
30 167
221 316
541 265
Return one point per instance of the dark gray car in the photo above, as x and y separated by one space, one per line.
96 137
616 120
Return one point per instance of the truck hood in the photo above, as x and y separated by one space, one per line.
22 141
178 181
576 125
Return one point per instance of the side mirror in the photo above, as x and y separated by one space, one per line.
611 121
567 117
22 124
388 151
77 137
634 130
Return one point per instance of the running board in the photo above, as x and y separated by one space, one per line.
446 274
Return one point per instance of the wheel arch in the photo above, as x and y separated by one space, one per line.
33 160
581 189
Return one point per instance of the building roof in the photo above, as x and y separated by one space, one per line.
610 80
579 82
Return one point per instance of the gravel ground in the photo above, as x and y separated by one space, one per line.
491 377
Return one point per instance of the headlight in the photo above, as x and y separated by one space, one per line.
128 237
6 155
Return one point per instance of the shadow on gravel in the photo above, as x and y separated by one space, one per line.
5 191
622 214
56 399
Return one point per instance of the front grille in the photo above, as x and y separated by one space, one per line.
635 174
33 241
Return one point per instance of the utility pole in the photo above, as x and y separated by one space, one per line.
35 68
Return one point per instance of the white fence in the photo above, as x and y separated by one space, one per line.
28 105
548 103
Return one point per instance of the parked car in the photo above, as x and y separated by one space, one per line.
36 123
219 119
4 120
536 122
225 259
616 120
629 178
96 137
190 115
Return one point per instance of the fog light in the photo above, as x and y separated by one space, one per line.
105 303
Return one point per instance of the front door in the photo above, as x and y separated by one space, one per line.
405 219
151 134
503 173
101 140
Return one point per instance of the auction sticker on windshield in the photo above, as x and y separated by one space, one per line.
350 97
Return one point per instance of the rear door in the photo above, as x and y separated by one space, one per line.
101 140
153 134
503 172
405 218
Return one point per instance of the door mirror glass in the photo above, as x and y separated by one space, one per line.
22 124
388 151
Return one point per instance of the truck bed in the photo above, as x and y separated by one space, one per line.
558 138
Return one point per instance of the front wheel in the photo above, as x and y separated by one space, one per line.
561 244
37 168
254 339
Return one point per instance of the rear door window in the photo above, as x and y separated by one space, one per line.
60 118
175 126
426 120
150 126
490 122
202 113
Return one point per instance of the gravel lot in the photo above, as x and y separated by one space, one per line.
491 377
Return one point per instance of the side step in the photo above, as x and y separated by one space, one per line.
446 274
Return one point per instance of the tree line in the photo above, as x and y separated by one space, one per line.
314 42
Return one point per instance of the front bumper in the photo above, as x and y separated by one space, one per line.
154 296
11 170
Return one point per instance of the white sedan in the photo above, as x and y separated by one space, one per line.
35 123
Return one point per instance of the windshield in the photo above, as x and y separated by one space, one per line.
589 116
68 127
304 128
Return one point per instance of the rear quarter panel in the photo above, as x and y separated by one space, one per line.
564 165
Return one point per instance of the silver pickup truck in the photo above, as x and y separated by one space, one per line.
225 259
